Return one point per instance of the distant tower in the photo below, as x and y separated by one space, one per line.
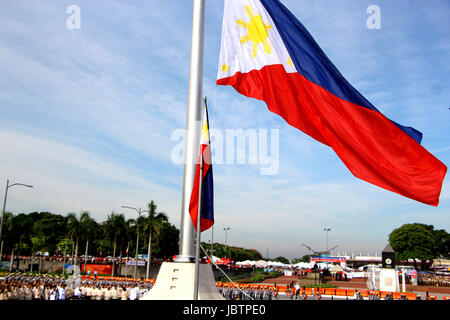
388 257
388 274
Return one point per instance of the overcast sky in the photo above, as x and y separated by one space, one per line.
88 116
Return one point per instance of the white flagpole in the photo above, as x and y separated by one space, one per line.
193 125
199 218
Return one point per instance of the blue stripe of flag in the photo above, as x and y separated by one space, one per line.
207 199
313 64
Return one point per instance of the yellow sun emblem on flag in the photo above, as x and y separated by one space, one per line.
257 31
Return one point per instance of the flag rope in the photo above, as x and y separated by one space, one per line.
223 272
214 109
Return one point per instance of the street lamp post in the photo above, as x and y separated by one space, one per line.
4 205
326 230
226 240
139 211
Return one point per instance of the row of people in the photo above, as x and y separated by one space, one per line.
431 279
80 259
45 287
242 292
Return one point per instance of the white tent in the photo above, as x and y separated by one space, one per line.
336 268
246 263
279 264
261 263
306 265
368 266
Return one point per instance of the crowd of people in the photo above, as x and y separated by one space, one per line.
17 286
434 279
246 292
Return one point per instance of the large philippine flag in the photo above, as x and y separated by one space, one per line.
205 184
267 54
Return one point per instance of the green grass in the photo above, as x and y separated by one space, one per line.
253 277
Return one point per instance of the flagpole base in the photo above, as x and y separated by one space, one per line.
389 280
175 281
181 258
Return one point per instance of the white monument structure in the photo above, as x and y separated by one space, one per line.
388 274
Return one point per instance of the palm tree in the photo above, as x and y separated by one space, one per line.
89 229
115 229
153 224
8 226
74 231
129 226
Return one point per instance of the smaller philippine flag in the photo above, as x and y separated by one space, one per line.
205 184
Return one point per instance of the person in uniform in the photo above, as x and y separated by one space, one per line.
37 292
89 291
119 292
83 291
77 293
124 295
61 292
133 293
143 291
28 291
52 292
114 292
107 293
2 292
21 291
69 292
8 294
100 292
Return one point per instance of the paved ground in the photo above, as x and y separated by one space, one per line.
361 284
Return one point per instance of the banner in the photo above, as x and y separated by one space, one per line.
413 274
139 263
329 259
100 268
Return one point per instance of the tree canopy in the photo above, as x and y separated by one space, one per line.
233 253
419 241
49 232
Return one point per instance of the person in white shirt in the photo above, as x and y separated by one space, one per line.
119 292
297 290
142 291
28 292
124 294
114 293
99 293
133 293
94 293
37 293
53 293
61 292
107 293
77 293
89 292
